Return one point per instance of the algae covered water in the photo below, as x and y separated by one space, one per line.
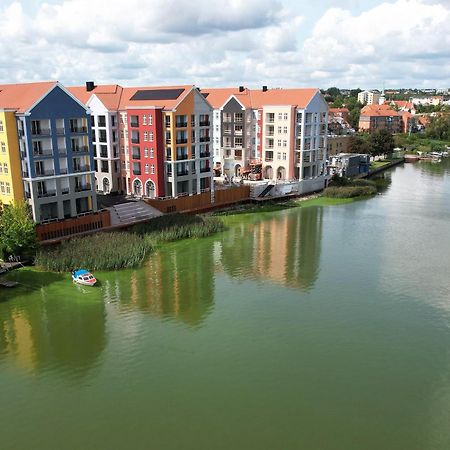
312 328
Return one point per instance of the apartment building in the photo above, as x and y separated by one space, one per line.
369 97
103 103
378 117
283 129
54 143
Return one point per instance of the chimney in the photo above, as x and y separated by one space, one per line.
264 89
90 86
241 89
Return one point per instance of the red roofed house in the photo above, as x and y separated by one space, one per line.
378 117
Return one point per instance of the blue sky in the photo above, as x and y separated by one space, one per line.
280 43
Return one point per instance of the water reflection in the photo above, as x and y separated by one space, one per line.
66 334
438 169
284 249
175 283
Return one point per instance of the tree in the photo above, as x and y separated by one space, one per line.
17 230
381 142
357 144
439 127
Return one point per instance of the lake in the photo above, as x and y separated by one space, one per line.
308 328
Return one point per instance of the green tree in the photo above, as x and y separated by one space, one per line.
381 142
17 230
439 127
358 144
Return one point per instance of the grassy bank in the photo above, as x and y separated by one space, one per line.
119 250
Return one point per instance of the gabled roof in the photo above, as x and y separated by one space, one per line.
378 110
109 94
338 110
21 97
256 98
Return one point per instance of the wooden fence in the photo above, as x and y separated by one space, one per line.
201 202
77 225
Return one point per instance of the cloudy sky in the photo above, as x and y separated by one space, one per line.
320 43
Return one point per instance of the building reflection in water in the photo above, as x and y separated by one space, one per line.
66 334
174 284
284 249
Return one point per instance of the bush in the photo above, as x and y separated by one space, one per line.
363 182
349 191
102 251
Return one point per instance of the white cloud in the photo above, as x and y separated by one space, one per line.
211 42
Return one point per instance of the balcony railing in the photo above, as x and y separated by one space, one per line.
135 140
64 171
45 173
205 123
205 154
83 187
204 138
168 157
43 152
49 193
62 151
181 124
168 141
80 149
205 169
78 129
60 131
81 169
182 156
65 191
134 124
182 173
182 141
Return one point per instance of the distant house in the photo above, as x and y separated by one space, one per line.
403 105
338 121
338 144
369 97
379 117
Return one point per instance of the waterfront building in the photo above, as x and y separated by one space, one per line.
369 97
378 117
349 164
103 103
285 130
54 148
337 144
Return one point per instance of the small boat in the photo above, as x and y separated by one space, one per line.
82 276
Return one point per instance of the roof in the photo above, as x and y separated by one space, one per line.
257 98
108 94
338 110
402 104
378 110
21 97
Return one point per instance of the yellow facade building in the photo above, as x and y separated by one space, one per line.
11 186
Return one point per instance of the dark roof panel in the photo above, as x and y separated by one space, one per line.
157 94
205 94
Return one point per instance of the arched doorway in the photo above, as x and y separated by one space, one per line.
137 187
150 190
237 170
281 173
106 187
268 173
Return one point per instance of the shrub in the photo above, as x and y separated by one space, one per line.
363 182
349 191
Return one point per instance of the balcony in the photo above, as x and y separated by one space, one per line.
83 187
62 151
103 154
182 141
205 123
64 171
80 149
43 152
205 154
41 132
168 141
205 169
45 173
134 124
182 173
65 191
181 124
204 138
136 155
135 140
81 169
78 129
60 131
182 156
49 193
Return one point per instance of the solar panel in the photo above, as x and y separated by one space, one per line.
157 94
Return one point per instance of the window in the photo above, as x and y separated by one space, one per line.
8 188
150 119
145 152
151 136
279 130
152 152
146 168
278 155
284 156
1 168
152 169
1 125
5 168
284 143
167 118
280 116
2 187
285 130
144 120
279 142
105 166
145 135
3 147
286 116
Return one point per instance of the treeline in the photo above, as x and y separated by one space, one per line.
336 100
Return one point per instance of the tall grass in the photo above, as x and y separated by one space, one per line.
349 191
111 251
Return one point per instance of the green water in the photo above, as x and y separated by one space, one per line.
309 328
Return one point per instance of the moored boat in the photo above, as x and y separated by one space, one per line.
84 277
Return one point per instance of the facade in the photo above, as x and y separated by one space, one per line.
54 143
11 186
337 144
379 117
349 164
369 98
284 130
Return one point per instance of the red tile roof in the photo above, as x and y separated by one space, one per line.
378 110
21 97
109 95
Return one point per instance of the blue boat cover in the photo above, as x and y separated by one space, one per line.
80 272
